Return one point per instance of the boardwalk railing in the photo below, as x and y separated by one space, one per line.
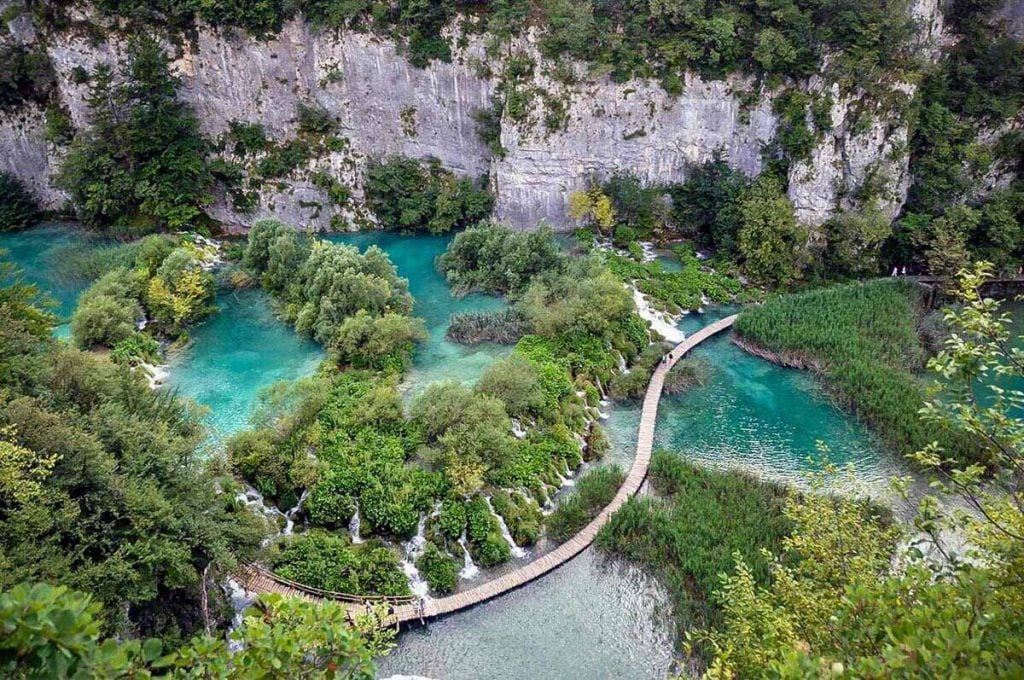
253 576
263 581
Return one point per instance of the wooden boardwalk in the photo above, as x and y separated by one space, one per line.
258 580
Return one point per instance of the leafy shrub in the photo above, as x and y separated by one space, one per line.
633 384
383 342
315 119
439 570
136 348
515 381
499 260
486 544
522 516
24 76
406 195
331 562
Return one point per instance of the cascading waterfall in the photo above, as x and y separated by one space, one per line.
517 552
240 599
469 569
353 527
517 429
254 498
412 549
289 516
623 368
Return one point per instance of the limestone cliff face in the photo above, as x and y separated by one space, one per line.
385 105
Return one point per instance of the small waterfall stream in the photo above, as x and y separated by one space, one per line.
412 549
517 552
469 569
353 528
254 499
240 599
289 516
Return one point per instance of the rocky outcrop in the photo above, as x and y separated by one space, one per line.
384 105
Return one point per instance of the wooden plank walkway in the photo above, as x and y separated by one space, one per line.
258 580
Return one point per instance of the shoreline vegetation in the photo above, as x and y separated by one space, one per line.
869 342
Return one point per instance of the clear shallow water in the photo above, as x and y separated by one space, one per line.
766 419
235 354
591 618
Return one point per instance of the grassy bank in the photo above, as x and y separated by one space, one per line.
866 339
689 534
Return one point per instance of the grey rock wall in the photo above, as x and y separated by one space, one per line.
374 93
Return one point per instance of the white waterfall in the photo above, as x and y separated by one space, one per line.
469 570
622 363
412 549
517 429
353 527
289 516
254 499
240 599
155 374
517 552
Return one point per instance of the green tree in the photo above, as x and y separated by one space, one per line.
18 209
140 166
380 342
771 243
852 243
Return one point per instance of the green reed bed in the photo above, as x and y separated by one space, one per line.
593 492
865 338
687 536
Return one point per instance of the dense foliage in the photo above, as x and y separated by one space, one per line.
25 77
497 260
162 286
140 166
52 632
694 528
353 303
625 37
691 287
408 195
18 208
102 485
864 338
331 562
977 86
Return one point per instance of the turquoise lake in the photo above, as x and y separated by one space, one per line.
594 617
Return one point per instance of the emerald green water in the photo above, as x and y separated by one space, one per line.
38 252
235 354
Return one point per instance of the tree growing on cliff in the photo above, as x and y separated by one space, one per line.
18 208
771 242
140 166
